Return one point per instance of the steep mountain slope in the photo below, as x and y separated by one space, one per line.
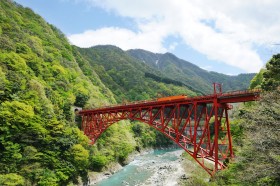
40 83
190 74
128 78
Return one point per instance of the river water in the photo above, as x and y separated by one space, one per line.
155 168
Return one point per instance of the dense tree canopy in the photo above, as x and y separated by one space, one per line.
272 74
128 78
40 83
257 161
256 134
184 72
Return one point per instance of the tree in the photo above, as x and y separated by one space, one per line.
11 179
272 74
257 80
257 162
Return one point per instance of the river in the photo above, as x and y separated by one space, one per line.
155 168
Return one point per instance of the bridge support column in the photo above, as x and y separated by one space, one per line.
181 120
216 145
229 134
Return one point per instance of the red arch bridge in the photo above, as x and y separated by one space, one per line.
187 121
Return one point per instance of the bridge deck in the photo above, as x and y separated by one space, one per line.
229 97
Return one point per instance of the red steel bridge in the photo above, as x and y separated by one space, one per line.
200 125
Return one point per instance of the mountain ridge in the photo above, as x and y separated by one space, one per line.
189 73
127 76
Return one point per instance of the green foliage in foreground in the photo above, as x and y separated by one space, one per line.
113 145
256 135
258 160
40 83
272 74
11 179
257 80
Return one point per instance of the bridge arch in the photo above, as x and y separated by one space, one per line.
188 125
185 121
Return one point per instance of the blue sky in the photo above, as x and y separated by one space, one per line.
230 37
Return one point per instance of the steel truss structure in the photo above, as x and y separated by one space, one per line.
199 125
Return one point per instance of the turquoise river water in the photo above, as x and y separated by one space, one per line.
157 167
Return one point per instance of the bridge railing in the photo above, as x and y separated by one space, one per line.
240 92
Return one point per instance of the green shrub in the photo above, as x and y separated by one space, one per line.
97 162
11 179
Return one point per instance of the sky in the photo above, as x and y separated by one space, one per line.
230 37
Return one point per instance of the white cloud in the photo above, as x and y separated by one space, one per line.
172 46
208 67
123 38
226 31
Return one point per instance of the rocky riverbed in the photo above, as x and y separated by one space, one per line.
154 168
166 173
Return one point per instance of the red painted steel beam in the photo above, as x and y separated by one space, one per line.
185 121
238 99
231 97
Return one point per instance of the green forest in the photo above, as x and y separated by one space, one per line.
43 78
41 81
188 74
256 134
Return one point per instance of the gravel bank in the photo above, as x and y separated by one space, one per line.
166 173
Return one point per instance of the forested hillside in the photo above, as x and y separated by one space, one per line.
256 134
40 83
127 77
189 74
